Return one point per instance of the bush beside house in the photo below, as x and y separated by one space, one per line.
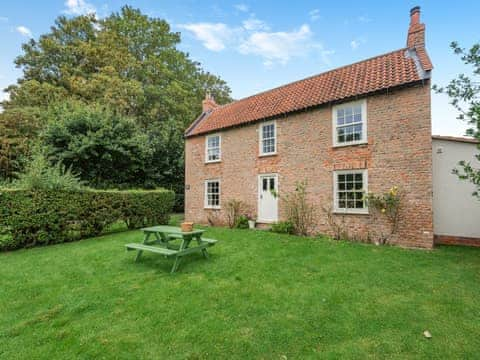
42 217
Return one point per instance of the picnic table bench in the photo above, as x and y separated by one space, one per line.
160 244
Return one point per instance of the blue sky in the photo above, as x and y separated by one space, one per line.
257 45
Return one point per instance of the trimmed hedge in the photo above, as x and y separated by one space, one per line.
30 218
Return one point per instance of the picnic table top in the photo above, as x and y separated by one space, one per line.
171 230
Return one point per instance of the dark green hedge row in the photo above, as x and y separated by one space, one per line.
29 218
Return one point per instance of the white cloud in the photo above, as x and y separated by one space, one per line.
23 30
214 36
278 47
314 14
355 43
241 7
254 37
364 19
254 24
79 7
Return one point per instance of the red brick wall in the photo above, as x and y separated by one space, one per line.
456 240
398 153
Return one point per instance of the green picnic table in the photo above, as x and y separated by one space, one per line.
160 244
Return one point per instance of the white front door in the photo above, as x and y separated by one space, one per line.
267 198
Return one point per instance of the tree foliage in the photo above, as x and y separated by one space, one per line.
464 92
39 174
127 62
106 149
18 128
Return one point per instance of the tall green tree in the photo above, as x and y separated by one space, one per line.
104 148
127 62
464 92
19 128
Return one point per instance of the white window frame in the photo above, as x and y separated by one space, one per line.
219 148
336 209
206 205
364 139
260 136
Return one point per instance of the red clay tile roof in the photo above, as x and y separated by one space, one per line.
381 72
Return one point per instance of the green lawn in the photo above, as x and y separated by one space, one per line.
260 295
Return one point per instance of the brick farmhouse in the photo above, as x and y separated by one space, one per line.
365 127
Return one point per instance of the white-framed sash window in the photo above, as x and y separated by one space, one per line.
350 187
350 123
212 194
268 138
213 148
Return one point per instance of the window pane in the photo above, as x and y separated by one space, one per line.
349 185
213 193
268 146
268 131
350 192
213 148
265 184
358 132
272 183
213 141
346 118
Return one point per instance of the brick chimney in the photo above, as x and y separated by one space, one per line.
416 31
209 103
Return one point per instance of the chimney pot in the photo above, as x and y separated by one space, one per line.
415 15
209 103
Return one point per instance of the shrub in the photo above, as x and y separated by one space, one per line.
41 217
40 175
388 205
283 227
298 211
104 147
242 222
234 209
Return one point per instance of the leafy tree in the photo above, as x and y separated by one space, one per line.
106 149
18 128
464 93
127 62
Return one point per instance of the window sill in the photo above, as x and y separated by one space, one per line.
268 154
212 208
350 144
350 212
213 161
